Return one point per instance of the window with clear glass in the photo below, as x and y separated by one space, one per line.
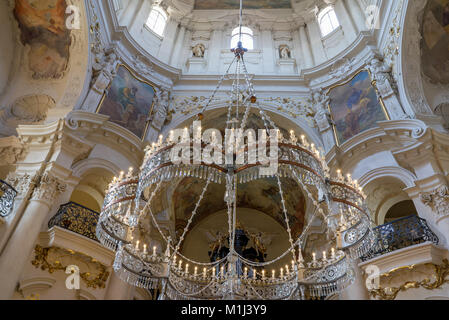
157 21
247 38
328 21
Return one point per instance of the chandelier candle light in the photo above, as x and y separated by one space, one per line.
338 201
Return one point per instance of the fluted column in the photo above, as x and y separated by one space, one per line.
40 179
140 18
346 21
21 243
216 44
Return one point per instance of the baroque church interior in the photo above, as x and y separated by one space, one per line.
97 98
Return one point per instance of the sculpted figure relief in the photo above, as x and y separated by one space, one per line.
161 111
284 52
104 71
381 73
199 50
320 102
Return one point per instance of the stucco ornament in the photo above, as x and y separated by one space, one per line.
437 200
104 71
161 111
198 50
320 104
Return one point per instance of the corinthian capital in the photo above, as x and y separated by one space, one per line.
437 200
49 188
20 182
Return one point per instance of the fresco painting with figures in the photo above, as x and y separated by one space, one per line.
128 102
435 41
355 107
43 28
248 4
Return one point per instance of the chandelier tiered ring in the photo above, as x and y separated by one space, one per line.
336 200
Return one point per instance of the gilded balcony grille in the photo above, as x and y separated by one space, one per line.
399 234
7 197
77 218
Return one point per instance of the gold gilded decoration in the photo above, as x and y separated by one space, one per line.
93 273
440 277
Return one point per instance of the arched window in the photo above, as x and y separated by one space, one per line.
247 38
157 20
328 21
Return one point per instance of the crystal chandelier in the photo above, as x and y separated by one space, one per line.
338 201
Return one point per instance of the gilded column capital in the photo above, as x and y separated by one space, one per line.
48 188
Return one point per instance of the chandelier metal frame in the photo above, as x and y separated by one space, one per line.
338 201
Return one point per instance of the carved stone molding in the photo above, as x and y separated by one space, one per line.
437 200
48 188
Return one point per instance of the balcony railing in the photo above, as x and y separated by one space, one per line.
77 218
399 234
7 196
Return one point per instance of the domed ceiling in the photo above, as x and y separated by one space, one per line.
235 4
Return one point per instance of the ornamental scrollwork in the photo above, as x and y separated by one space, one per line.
440 276
437 200
56 259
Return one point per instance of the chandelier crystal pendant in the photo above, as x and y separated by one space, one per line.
128 224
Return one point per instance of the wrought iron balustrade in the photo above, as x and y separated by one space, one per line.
7 196
77 218
399 234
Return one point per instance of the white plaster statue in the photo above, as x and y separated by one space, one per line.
386 88
199 50
161 109
320 104
103 72
284 52
381 73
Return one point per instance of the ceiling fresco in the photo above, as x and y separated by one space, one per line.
262 195
235 4
435 41
43 29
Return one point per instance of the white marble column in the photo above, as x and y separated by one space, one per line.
166 49
267 46
179 45
357 14
316 43
21 243
305 47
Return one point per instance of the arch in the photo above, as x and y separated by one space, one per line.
401 174
300 123
83 166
